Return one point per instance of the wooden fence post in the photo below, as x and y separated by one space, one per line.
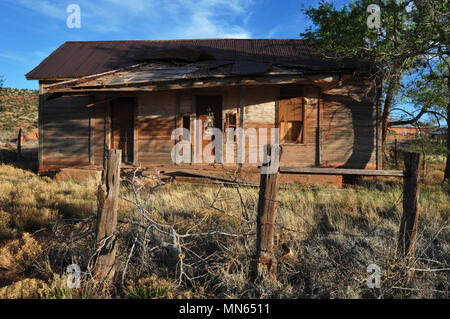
108 193
19 144
265 263
408 226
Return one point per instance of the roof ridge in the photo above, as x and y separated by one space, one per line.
185 40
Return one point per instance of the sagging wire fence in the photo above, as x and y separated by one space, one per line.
202 253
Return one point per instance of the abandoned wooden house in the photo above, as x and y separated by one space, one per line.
131 95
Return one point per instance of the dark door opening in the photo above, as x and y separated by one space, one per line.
122 127
209 111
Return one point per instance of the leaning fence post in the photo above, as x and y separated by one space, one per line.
265 264
103 266
408 226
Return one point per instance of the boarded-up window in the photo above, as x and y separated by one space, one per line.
290 120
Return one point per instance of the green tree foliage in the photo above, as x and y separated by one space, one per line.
410 32
432 91
429 91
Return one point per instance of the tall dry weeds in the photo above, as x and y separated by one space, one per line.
325 238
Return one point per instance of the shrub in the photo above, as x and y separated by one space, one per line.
6 232
155 288
20 254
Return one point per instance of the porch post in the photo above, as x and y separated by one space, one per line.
241 142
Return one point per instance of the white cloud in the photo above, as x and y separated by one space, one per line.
155 18
45 8
42 54
132 6
13 57
273 31
210 19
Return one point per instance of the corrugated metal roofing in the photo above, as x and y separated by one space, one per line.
77 59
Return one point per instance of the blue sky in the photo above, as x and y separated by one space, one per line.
31 29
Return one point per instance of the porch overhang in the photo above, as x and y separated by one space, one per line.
166 76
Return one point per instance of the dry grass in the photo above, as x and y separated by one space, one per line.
34 202
333 235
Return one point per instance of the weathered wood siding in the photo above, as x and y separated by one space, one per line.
349 126
156 115
304 154
101 103
259 113
346 116
65 131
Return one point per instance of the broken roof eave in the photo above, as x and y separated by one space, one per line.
325 80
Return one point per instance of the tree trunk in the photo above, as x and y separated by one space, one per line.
103 266
393 85
447 165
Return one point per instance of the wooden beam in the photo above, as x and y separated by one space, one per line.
107 129
319 146
177 119
320 110
241 141
321 80
136 131
41 131
340 171
319 130
91 136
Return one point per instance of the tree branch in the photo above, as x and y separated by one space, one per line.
412 120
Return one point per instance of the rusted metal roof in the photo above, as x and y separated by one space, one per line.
248 56
250 67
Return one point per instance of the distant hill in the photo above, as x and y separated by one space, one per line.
18 109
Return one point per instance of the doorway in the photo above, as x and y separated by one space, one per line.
209 111
122 127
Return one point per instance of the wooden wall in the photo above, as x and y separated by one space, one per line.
155 123
64 130
349 126
100 109
304 154
259 112
346 116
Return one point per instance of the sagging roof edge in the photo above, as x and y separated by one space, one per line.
326 81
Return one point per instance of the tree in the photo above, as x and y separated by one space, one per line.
432 93
427 91
411 31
